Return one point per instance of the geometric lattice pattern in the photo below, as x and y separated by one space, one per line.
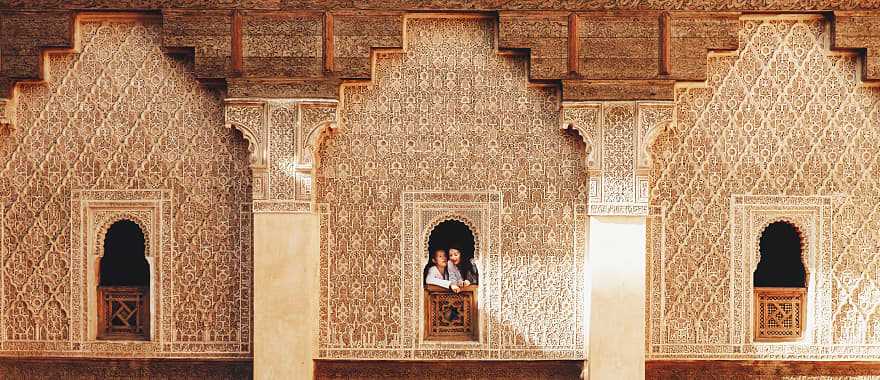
451 116
121 115
783 116
779 314
124 312
451 316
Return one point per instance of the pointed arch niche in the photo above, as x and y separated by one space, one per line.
452 315
810 217
780 283
423 211
123 279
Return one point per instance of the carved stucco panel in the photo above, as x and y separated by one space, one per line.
617 136
785 119
120 114
450 127
289 132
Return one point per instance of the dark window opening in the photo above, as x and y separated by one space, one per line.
124 284
781 264
124 262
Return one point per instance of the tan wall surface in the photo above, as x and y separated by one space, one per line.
450 129
122 125
616 265
783 129
286 255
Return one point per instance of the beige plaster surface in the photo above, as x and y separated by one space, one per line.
616 276
285 295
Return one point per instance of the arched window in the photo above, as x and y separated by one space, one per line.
780 282
451 236
124 284
451 278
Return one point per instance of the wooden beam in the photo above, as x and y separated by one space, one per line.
665 42
328 43
573 44
236 43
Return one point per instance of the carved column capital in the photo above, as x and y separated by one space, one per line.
250 117
618 136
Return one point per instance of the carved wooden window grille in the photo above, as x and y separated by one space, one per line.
779 313
451 316
124 312
780 285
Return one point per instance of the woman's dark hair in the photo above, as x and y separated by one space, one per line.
466 266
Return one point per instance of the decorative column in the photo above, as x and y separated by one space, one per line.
617 135
283 137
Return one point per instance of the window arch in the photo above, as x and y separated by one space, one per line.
780 282
454 234
124 283
781 263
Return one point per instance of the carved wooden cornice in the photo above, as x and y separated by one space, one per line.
616 51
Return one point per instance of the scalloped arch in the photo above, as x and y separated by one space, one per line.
104 226
436 221
756 249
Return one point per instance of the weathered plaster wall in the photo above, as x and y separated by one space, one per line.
783 128
116 118
449 128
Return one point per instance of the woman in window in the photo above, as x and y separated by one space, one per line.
467 270
438 274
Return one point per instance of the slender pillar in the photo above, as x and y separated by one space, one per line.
286 258
616 278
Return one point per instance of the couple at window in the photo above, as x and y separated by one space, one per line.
449 269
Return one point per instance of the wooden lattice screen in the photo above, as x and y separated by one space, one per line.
451 316
123 313
779 314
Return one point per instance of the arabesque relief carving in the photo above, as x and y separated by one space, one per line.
783 128
617 135
450 127
283 135
113 118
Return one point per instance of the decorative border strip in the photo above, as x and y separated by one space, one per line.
288 206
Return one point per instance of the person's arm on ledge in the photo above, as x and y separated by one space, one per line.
434 278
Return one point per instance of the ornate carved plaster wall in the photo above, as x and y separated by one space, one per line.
617 135
121 116
783 128
448 116
283 135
